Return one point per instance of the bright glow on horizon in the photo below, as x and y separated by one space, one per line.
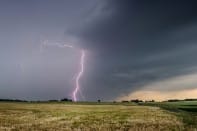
160 95
166 89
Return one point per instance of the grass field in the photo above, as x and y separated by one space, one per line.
88 117
184 110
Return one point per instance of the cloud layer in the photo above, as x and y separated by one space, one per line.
130 45
179 87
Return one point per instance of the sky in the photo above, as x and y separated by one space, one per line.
134 49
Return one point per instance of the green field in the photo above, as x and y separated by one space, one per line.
184 110
90 116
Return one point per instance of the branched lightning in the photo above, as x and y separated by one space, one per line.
60 45
79 75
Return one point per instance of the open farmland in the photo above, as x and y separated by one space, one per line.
86 116
185 110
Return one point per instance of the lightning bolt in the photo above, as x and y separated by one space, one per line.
60 45
79 75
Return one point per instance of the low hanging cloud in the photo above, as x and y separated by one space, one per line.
179 87
137 43
160 95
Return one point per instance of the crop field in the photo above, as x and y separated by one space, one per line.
189 106
88 117
185 110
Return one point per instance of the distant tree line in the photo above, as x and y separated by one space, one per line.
70 100
170 100
175 100
13 100
18 100
136 101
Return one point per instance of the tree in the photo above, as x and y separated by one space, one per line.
66 99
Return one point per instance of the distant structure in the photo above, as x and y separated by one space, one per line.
136 101
66 99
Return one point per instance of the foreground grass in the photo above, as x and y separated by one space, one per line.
185 110
61 116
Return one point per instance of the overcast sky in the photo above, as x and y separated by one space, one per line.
133 48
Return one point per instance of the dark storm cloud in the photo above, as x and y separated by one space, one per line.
139 42
129 44
123 24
